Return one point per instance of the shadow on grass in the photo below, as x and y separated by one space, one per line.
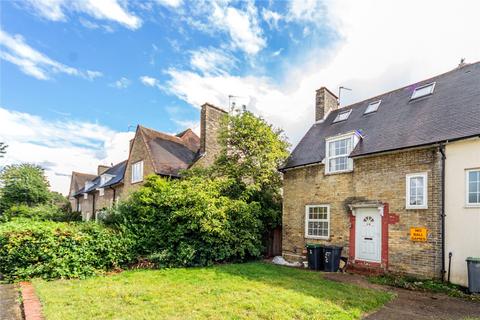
309 283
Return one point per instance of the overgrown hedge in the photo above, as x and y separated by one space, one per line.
50 250
190 222
41 212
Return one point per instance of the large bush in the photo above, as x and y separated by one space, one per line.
40 212
31 248
190 222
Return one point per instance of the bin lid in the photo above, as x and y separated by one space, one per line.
333 247
473 259
313 245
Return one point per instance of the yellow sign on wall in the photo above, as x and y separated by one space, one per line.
418 234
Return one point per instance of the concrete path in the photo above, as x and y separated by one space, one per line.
9 303
414 304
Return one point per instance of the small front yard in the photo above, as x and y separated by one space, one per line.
234 291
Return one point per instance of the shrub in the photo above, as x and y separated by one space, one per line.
50 250
190 222
41 213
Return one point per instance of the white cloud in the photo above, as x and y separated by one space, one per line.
271 17
170 3
212 61
241 23
35 63
308 11
110 10
379 50
121 83
60 146
188 124
150 81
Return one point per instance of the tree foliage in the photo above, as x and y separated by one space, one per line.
3 149
252 150
189 222
23 184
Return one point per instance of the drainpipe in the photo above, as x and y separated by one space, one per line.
114 194
94 215
442 151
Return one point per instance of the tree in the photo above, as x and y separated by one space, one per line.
3 148
251 152
23 184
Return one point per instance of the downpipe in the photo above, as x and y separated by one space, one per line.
442 151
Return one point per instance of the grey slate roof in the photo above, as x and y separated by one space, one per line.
118 171
451 112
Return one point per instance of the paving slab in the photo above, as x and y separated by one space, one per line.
414 304
9 303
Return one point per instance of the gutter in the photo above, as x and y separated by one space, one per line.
442 215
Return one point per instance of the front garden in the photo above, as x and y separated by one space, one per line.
234 291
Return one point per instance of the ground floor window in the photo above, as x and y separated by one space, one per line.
317 221
473 187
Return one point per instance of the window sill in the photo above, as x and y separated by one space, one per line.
135 182
416 208
338 172
472 206
317 238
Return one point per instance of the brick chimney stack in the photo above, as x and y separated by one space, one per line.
325 102
101 169
210 120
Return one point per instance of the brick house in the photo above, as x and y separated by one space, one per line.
150 152
370 177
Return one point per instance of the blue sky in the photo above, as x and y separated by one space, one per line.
76 76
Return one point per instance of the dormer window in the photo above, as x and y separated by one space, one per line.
373 106
342 116
337 153
88 184
104 178
423 91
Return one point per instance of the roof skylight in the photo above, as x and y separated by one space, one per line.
373 106
423 91
342 116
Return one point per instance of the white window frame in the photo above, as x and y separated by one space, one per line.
409 176
140 177
85 196
373 103
432 84
467 190
101 192
354 140
307 220
347 112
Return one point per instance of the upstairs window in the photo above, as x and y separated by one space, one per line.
104 178
337 151
317 222
423 91
473 188
417 191
137 172
373 106
342 116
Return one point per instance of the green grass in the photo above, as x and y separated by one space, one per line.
235 291
427 285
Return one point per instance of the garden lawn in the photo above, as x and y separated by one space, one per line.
236 291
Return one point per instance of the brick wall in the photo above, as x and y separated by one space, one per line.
137 153
377 178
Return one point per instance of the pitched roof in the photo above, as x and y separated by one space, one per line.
451 112
117 172
170 153
78 180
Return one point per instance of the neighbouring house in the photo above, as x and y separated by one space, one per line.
394 179
150 152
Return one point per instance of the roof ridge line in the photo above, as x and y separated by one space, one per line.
406 86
